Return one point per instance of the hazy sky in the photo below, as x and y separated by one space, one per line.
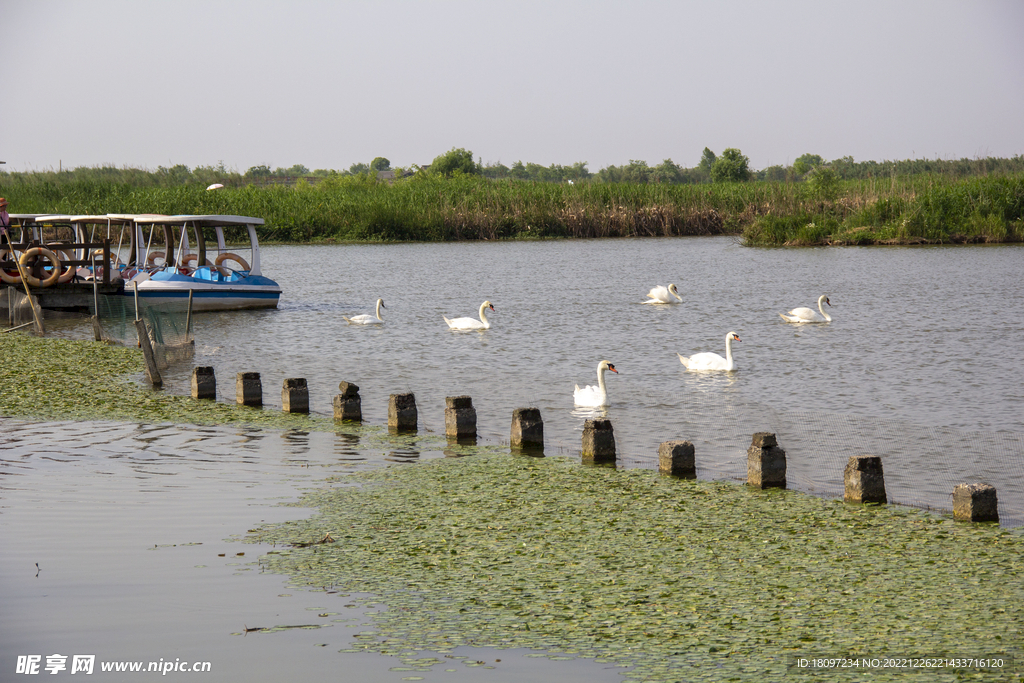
327 84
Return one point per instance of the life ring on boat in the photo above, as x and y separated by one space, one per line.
46 254
228 256
69 270
152 256
10 278
193 257
115 260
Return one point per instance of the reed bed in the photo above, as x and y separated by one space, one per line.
910 209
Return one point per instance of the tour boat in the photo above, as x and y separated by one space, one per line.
183 260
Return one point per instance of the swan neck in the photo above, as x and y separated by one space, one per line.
483 314
378 310
824 315
600 379
728 348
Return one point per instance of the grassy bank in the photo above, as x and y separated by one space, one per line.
912 209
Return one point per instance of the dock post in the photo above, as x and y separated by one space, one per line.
527 430
459 418
598 442
152 372
347 404
766 462
295 395
402 415
249 389
863 480
204 382
975 503
675 458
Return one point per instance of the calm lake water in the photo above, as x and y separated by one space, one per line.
921 365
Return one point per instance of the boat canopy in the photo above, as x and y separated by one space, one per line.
217 222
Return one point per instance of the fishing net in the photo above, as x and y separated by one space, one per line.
168 324
114 315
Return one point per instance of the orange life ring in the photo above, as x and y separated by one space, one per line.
115 260
228 256
46 254
152 256
69 273
10 278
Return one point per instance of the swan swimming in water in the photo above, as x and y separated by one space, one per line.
662 295
712 361
807 315
472 323
366 318
591 396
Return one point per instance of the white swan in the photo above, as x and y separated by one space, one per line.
712 361
366 318
806 315
591 396
472 323
662 295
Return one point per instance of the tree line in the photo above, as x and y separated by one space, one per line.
731 165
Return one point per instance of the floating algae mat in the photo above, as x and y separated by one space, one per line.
682 580
62 379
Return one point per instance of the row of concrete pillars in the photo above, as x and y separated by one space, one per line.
459 414
863 478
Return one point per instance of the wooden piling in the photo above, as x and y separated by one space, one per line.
975 503
598 442
676 459
249 389
766 462
347 404
152 372
527 430
402 414
204 382
295 395
863 480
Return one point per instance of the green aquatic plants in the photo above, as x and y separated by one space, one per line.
681 580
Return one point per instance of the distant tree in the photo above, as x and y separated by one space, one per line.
775 173
665 172
380 164
707 160
495 171
518 171
455 161
805 162
261 171
358 169
297 169
732 166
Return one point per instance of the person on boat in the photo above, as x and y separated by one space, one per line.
5 223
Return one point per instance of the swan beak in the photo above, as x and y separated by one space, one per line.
736 337
828 302
492 307
612 368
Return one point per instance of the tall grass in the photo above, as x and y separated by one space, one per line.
922 208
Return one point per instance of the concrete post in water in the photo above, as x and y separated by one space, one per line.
766 462
347 404
598 442
675 458
527 430
863 480
152 372
295 395
975 503
459 417
402 415
249 389
204 383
